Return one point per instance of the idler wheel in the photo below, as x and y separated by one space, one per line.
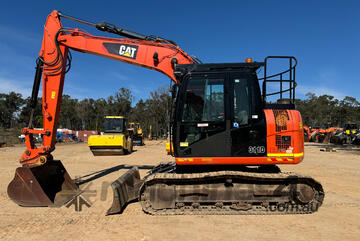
304 193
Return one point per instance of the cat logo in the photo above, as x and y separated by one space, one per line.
124 50
127 51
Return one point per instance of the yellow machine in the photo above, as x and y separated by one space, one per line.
137 133
116 139
168 150
350 128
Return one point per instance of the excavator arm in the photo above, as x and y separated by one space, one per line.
145 51
42 181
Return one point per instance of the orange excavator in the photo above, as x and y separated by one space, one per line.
227 139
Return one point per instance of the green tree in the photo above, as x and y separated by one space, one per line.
24 116
68 117
10 105
325 109
120 103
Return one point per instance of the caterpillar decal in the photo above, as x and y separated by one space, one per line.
124 50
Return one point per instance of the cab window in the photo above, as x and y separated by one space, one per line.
241 101
204 101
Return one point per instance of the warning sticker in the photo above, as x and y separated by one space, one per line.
184 144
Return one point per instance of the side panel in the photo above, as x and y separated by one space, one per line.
285 134
285 143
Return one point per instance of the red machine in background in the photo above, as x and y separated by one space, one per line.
227 139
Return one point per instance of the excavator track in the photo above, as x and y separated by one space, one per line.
228 193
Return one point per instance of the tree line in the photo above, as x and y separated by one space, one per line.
88 114
327 110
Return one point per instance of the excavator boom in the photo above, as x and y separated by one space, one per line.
31 181
158 54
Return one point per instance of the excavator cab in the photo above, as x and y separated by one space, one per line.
219 111
222 117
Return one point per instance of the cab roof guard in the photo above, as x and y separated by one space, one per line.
287 76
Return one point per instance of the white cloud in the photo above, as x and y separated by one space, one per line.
20 35
7 85
320 90
13 57
127 83
325 82
120 76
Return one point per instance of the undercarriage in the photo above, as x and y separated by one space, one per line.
170 190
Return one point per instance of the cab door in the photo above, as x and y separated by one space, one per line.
201 117
248 131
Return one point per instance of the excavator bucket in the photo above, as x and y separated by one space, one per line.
48 185
126 189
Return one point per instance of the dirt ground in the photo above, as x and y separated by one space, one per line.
337 219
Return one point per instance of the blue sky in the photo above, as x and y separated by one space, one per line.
323 35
